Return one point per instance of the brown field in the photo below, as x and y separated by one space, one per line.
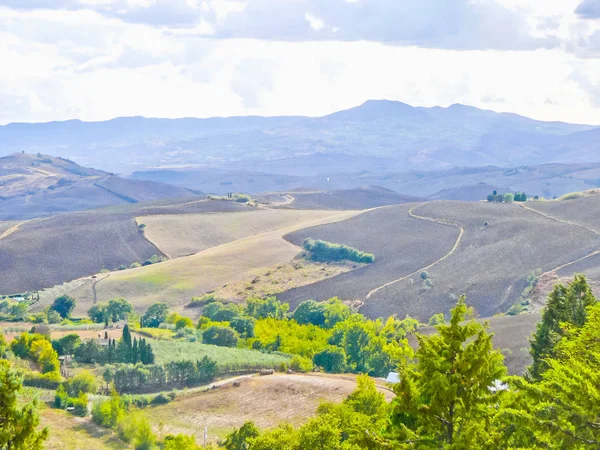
400 244
492 262
47 252
266 400
177 280
183 235
359 198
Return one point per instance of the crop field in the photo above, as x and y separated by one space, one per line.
401 245
502 244
182 235
359 198
169 350
44 253
266 400
177 280
584 211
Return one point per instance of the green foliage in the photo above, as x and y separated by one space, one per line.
66 345
83 383
221 336
310 312
180 442
301 364
238 439
204 299
565 305
444 399
437 319
268 308
332 359
37 348
63 305
144 437
156 314
290 337
326 251
218 312
19 423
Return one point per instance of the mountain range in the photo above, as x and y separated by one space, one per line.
376 136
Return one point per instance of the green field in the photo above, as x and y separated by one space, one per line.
167 351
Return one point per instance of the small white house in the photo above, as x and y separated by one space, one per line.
393 377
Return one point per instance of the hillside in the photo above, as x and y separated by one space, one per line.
391 133
267 400
484 250
40 185
45 252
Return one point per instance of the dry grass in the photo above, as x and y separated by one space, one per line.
295 274
177 280
182 235
265 400
74 433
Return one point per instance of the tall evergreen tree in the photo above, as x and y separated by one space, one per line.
445 400
18 424
565 305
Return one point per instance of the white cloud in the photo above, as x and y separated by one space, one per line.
100 66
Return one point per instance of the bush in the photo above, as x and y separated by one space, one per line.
326 251
80 403
63 305
301 364
204 300
221 336
332 359
83 382
161 399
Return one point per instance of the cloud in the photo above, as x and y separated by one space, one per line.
589 9
452 24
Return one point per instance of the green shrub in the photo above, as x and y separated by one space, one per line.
326 251
204 299
301 364
572 196
80 405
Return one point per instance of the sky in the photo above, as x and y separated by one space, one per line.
100 59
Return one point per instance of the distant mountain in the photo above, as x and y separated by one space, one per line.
41 185
375 134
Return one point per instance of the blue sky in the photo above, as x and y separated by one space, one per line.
98 59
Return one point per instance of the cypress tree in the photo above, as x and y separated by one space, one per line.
134 358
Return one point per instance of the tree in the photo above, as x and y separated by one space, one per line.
284 437
180 442
562 409
156 314
322 432
238 439
335 312
98 313
84 382
119 309
310 312
508 198
63 305
18 424
332 359
66 345
266 308
221 336
444 399
144 437
565 305
437 319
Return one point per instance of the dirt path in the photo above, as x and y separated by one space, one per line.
412 214
556 219
566 222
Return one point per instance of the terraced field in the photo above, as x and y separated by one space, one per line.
177 280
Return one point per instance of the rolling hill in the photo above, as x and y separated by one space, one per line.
40 185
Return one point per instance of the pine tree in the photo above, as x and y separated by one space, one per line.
566 305
444 400
18 424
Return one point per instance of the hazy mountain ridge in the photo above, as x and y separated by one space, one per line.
411 137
